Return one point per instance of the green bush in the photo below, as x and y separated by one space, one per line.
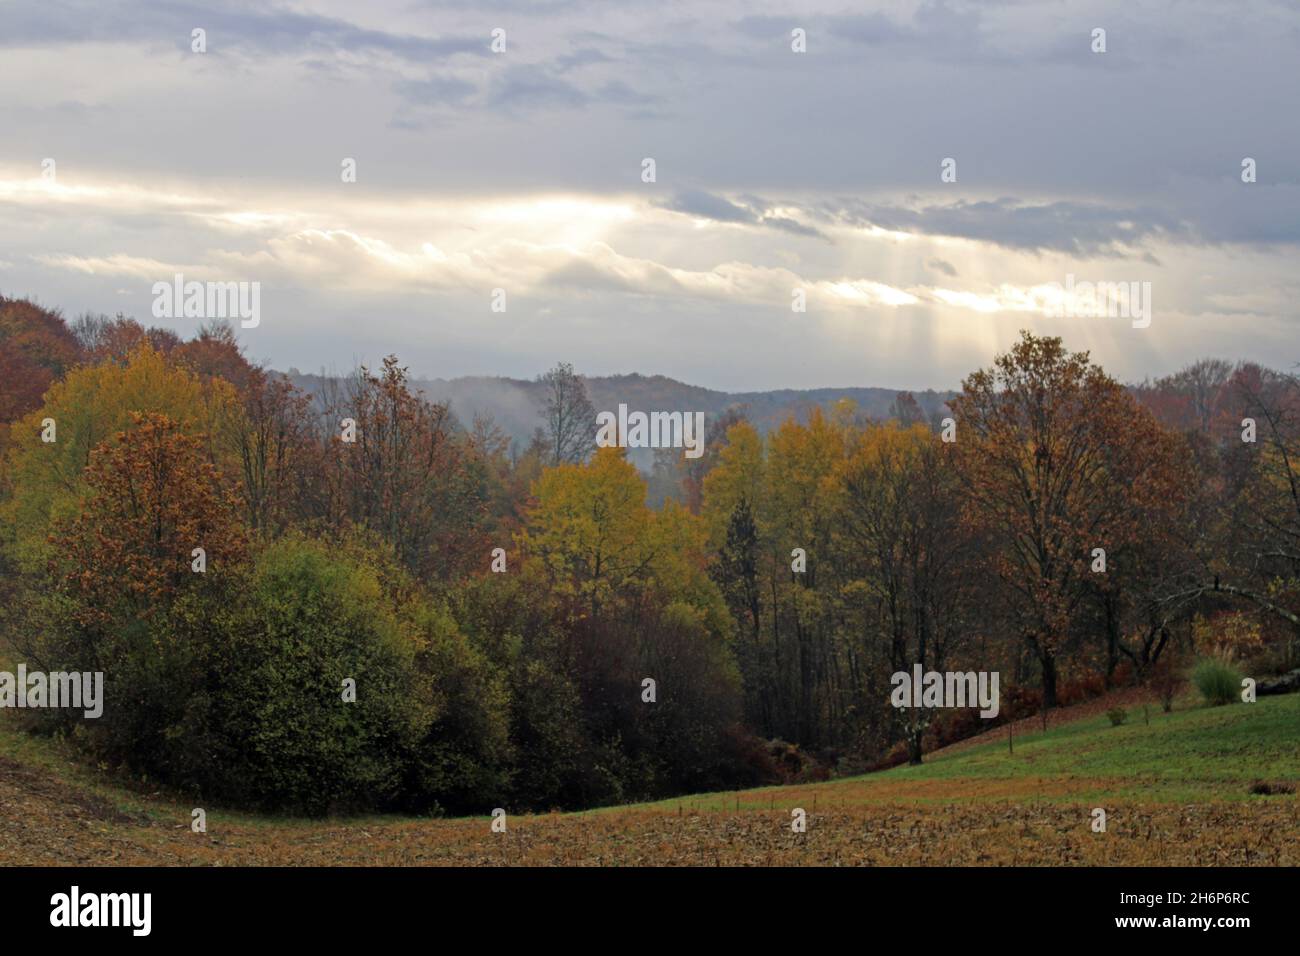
461 760
310 621
1117 716
1218 682
428 729
235 692
157 679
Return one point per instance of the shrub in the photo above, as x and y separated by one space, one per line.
311 620
1079 689
1166 677
1228 635
460 761
235 691
1117 716
157 677
1168 688
1266 788
1218 682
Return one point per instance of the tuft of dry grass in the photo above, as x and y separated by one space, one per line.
1268 788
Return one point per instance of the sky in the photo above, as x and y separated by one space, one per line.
775 170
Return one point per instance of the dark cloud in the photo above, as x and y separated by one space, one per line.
534 87
1084 229
540 86
933 30
1230 211
790 225
1189 212
435 91
695 202
587 56
755 211
236 27
942 266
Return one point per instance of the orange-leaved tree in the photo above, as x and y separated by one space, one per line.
154 499
1057 460
46 481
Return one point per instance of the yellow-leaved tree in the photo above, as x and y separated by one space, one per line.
46 479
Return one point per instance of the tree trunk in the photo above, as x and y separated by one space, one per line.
914 735
1112 643
1049 678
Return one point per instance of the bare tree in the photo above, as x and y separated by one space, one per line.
570 416
1203 384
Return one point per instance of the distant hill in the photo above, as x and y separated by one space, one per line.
515 404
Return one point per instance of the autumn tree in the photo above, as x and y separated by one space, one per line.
105 339
154 501
915 578
1194 398
216 353
693 471
633 600
407 475
590 528
1255 555
36 349
1057 460
90 405
738 475
272 439
770 510
800 472
906 410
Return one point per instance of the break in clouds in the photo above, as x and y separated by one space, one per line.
925 175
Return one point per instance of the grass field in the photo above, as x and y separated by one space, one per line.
1176 791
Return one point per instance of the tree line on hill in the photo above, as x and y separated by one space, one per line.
523 629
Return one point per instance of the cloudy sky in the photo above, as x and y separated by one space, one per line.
775 170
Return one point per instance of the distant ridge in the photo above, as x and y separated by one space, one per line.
515 404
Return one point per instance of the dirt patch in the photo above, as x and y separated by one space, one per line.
1264 832
71 799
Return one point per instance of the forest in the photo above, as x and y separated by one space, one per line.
233 553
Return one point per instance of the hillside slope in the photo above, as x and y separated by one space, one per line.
1175 791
